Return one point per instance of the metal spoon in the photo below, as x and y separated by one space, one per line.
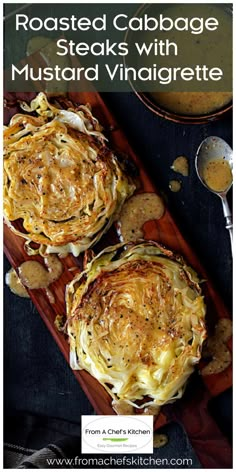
213 148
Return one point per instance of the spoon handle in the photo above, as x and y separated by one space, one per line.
228 219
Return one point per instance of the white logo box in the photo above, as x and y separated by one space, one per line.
118 434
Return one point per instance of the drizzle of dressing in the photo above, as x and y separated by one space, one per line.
216 348
159 440
174 185
180 165
217 175
152 410
15 284
122 408
136 211
33 275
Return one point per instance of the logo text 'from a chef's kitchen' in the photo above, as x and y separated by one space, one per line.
117 434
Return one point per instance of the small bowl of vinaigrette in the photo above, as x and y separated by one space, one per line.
189 100
188 107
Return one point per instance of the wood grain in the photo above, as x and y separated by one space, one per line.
164 231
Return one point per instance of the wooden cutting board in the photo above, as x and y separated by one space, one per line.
193 414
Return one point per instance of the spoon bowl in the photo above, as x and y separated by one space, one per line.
214 148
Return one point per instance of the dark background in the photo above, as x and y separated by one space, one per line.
37 379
